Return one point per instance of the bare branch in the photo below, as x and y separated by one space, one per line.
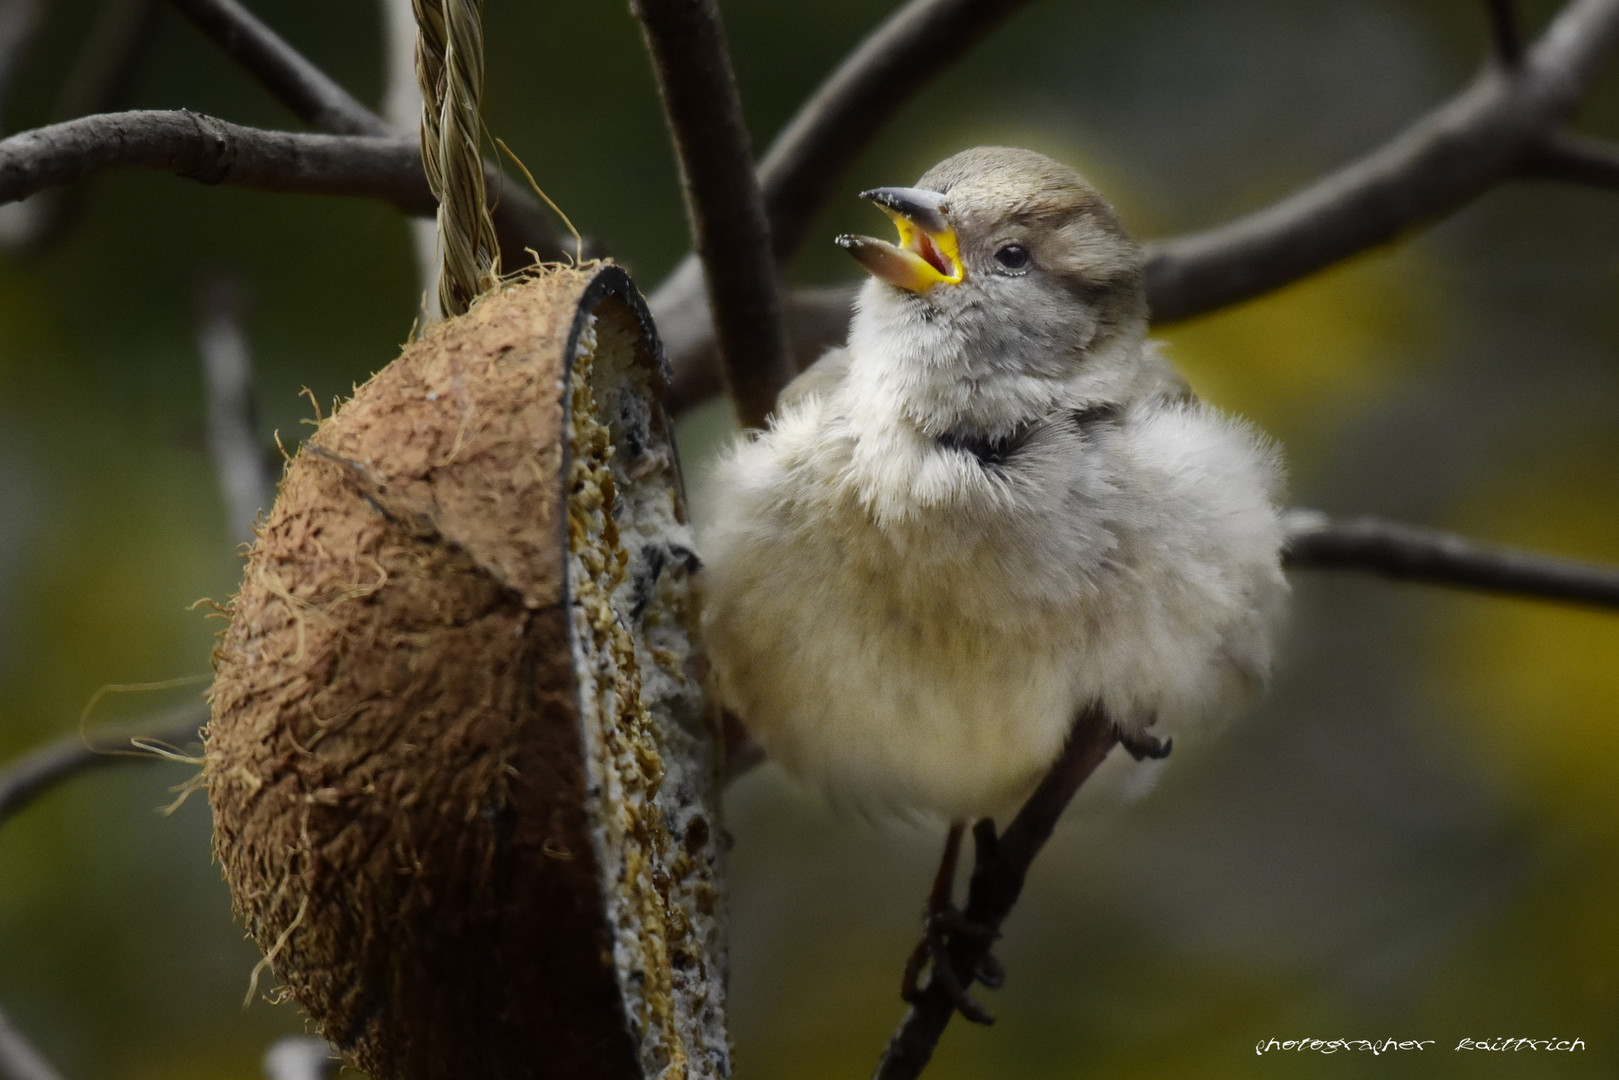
723 202
292 78
1434 557
318 100
18 18
35 773
95 83
996 885
107 61
213 151
811 153
1506 35
816 318
1446 159
402 107
1574 159
19 1060
245 479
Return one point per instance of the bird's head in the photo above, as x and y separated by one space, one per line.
1006 260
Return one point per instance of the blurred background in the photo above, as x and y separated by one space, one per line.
1415 836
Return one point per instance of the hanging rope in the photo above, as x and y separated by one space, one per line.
449 66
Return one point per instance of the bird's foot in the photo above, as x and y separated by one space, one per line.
1143 745
932 953
944 924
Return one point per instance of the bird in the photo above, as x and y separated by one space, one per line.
996 506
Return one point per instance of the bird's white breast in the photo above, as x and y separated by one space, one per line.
915 631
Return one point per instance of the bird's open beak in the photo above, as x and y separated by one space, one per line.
927 253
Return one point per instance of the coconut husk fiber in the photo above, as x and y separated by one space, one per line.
462 775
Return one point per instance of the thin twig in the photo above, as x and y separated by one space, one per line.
1446 159
1435 557
18 20
812 152
107 62
817 319
19 1060
995 888
1574 159
35 773
293 79
837 122
97 80
245 478
1506 35
402 107
723 202
320 101
213 151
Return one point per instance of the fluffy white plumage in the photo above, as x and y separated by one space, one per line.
995 507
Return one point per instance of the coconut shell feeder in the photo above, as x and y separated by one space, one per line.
463 777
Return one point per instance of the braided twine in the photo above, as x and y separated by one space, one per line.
449 66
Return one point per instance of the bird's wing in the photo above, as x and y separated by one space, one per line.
1159 379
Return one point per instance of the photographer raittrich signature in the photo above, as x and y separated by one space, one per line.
1499 1044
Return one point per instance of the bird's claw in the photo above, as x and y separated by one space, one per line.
990 972
1143 745
945 923
933 954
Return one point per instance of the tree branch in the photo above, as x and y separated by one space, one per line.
1506 35
18 20
402 107
312 95
810 155
108 59
95 83
213 151
19 1060
320 101
35 773
1574 159
1479 138
838 121
245 480
996 885
817 319
1434 557
730 231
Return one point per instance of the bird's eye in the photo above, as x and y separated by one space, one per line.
1013 256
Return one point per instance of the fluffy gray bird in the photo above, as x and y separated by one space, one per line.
996 506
